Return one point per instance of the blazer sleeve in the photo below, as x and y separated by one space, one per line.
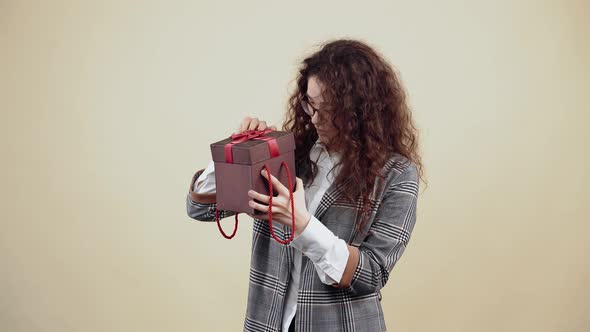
201 206
388 235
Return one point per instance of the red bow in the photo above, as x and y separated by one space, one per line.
247 135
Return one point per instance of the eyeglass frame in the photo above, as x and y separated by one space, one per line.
304 103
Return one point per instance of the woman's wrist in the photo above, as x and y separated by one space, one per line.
301 221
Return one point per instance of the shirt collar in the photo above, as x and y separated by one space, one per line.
321 146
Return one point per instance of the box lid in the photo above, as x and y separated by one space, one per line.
253 151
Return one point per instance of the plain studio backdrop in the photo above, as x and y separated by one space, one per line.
108 108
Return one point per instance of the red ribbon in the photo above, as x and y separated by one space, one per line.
273 146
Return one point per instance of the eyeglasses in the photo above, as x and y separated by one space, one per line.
307 107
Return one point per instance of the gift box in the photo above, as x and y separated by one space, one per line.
239 160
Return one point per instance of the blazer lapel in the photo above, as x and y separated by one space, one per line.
330 196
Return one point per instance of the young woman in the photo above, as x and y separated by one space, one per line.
358 171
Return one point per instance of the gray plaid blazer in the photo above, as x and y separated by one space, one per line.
321 307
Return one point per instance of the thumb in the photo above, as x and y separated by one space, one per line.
299 184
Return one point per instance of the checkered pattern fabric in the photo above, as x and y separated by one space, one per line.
321 307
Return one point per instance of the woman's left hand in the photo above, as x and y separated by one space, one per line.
281 204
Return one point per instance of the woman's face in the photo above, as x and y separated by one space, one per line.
314 95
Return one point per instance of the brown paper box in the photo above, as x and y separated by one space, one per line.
233 180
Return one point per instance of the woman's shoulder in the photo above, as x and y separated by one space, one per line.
399 167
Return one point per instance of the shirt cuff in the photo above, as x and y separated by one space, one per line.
328 252
205 184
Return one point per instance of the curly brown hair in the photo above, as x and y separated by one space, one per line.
367 107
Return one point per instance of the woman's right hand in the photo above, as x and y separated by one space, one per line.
249 123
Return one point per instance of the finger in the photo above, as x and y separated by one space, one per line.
259 216
260 197
244 124
253 124
273 127
276 184
262 125
257 206
298 184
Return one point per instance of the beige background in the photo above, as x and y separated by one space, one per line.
108 109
